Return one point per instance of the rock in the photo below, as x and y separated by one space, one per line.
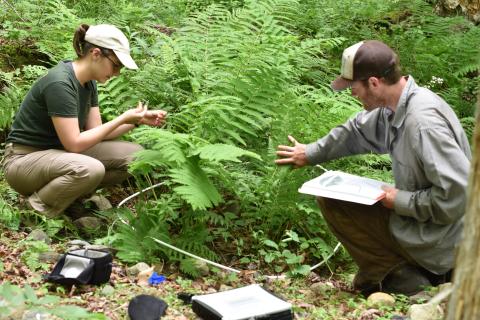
313 277
142 278
202 268
39 235
100 201
136 269
211 290
36 315
100 247
73 248
378 299
107 290
320 289
224 287
79 243
444 286
88 223
48 257
370 314
426 311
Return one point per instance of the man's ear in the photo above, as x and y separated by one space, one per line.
374 82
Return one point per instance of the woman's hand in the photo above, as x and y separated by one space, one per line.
133 116
154 118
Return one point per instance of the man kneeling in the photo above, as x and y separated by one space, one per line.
406 241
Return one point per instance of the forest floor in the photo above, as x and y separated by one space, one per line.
313 297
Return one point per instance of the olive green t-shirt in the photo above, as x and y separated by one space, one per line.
59 94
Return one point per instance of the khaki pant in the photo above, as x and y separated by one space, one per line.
364 232
52 179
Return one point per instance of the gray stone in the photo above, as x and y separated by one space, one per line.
73 248
202 268
370 314
224 287
425 311
39 235
136 269
378 299
48 257
107 290
80 243
100 201
445 286
88 223
320 289
99 247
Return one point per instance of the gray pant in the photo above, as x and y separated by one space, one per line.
52 179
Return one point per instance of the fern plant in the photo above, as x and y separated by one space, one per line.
186 160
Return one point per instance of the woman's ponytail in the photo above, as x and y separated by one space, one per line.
79 40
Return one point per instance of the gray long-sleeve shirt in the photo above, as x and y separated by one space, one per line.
431 161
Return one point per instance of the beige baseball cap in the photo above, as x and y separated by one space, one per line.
110 37
365 59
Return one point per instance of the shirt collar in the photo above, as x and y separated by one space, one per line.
401 110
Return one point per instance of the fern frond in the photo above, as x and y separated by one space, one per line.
224 152
195 186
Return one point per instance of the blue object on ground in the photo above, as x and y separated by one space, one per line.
156 278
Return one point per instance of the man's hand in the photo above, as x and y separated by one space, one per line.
292 155
390 195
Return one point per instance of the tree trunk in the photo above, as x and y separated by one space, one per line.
470 8
465 301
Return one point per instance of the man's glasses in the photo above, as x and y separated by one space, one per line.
116 66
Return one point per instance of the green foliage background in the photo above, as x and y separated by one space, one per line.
236 78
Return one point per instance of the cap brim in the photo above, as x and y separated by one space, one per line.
126 60
340 84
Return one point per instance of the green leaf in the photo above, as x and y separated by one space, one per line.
195 187
303 270
270 243
269 257
73 312
49 299
224 152
29 294
294 259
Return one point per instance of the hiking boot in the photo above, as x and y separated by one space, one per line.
405 279
364 286
437 279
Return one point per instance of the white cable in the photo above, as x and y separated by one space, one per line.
319 166
327 258
203 259
139 192
194 256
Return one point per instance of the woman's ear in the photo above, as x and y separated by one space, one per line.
96 53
